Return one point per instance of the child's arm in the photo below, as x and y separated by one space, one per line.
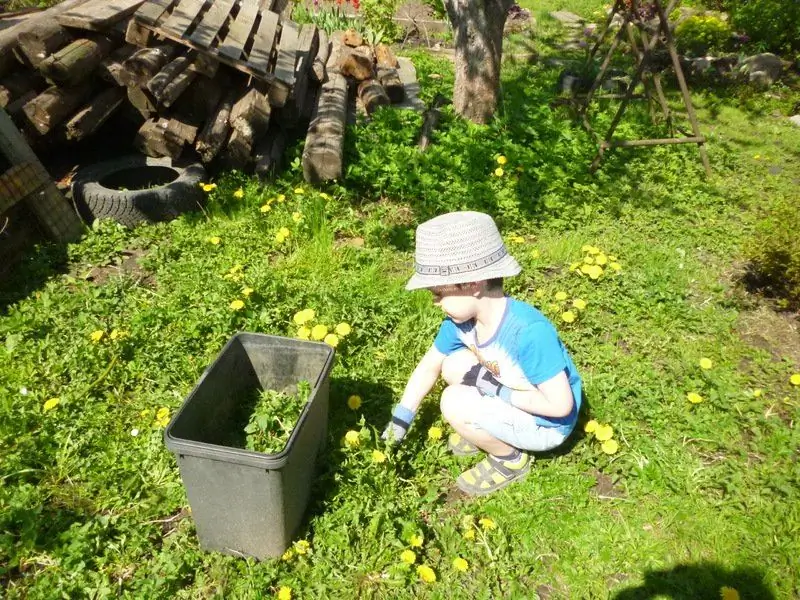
419 384
551 398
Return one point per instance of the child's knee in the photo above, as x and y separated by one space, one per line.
456 365
456 403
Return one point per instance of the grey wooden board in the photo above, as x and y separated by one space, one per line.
408 75
150 12
262 42
287 53
182 17
97 15
239 31
212 22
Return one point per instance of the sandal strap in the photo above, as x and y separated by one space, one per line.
500 467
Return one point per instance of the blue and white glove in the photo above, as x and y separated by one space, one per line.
398 427
483 379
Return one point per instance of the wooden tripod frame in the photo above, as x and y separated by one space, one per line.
652 81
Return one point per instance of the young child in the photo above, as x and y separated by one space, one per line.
511 385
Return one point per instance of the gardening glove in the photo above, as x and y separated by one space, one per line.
398 427
483 379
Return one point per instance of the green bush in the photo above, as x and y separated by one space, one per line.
775 254
702 33
770 24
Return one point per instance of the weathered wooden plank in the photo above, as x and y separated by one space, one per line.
239 31
212 22
182 17
98 15
287 53
263 40
150 12
89 119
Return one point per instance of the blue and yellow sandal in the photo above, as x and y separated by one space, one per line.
492 474
461 447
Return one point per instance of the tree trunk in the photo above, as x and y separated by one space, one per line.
478 29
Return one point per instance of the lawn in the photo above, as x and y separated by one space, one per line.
103 339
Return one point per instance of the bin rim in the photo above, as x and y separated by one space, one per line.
242 456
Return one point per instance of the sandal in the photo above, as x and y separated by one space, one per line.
492 474
461 447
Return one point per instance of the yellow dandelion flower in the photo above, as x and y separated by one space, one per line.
535 253
469 534
757 393
299 191
285 593
612 258
516 239
694 397
324 196
97 335
331 339
214 240
795 379
237 305
487 523
501 160
426 573
207 187
574 266
318 332
301 317
728 593
247 291
706 363
352 439
408 556
593 250
579 304
586 248
416 541
162 413
588 260
600 259
378 457
265 208
499 171
539 293
615 266
238 193
145 413
561 296
435 433
354 402
162 422
304 333
568 316
609 446
51 404
604 432
280 238
595 271
459 564
297 217
302 547
288 555
342 329
591 426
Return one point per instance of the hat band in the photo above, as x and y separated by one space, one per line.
467 267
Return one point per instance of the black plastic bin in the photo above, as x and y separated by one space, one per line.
246 503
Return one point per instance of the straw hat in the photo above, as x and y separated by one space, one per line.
460 247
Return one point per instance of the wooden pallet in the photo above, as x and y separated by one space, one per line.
244 34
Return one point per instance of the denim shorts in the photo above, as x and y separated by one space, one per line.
514 426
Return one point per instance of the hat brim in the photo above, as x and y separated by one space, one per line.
506 267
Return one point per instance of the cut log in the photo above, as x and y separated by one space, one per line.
18 84
163 78
14 108
55 104
198 103
390 80
75 62
430 120
385 58
250 114
42 40
217 129
87 120
137 34
352 38
238 150
318 66
372 95
164 137
358 63
110 68
9 37
269 152
176 87
322 156
307 47
145 63
204 64
142 100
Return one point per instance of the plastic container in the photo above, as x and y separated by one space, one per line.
246 503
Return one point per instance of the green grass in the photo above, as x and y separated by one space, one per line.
698 497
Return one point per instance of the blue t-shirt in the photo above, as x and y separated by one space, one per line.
523 352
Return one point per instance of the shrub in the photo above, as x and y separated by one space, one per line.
775 254
770 24
702 33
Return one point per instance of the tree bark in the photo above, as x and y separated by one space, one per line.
478 29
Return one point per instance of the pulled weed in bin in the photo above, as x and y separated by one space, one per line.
274 418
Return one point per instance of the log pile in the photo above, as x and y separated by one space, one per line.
71 71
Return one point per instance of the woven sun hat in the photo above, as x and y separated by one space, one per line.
460 247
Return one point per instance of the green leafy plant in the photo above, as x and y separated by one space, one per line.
769 24
274 418
702 33
378 20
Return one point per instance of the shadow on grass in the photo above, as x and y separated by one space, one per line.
698 581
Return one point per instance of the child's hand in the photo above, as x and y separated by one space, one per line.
394 433
483 379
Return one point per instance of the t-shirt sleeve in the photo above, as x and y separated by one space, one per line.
541 352
447 340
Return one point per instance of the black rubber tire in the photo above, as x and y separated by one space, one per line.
165 189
